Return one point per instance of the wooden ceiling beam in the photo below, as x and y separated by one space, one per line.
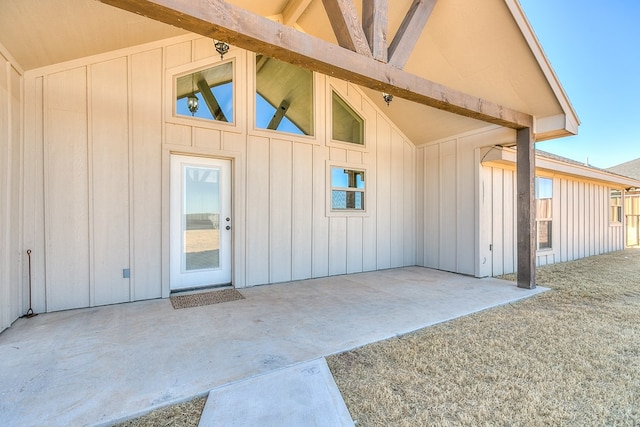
409 32
261 63
211 101
346 26
278 115
294 10
238 27
375 24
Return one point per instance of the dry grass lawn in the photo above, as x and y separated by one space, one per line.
185 414
570 356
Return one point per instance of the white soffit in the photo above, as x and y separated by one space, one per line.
423 124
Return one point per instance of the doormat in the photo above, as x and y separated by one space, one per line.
205 298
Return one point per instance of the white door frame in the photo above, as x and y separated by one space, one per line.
180 276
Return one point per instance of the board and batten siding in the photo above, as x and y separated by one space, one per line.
467 214
450 197
580 215
99 133
13 301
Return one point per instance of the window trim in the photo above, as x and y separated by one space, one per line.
619 206
255 94
548 219
250 96
330 212
171 78
330 142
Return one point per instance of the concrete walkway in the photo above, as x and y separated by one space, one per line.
299 395
99 365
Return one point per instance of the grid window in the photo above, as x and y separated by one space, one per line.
616 206
347 189
544 214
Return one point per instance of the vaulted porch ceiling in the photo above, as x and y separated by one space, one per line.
475 48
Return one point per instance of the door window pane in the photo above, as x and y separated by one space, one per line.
201 218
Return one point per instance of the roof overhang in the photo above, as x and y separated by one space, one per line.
556 126
505 157
484 50
559 125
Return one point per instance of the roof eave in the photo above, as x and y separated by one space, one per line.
572 121
552 127
507 157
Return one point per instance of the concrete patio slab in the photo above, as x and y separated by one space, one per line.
99 365
300 395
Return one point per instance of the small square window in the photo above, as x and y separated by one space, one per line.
347 189
347 125
206 94
544 188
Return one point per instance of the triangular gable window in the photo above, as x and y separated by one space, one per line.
347 126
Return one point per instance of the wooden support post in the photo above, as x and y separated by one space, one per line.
525 169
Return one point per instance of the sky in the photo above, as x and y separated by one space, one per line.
594 48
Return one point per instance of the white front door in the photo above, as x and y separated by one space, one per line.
200 222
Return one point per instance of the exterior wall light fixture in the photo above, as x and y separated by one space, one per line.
221 47
192 100
192 103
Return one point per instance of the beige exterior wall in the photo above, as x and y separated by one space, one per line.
12 299
632 218
450 199
581 225
467 210
99 136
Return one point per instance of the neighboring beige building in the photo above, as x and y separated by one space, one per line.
631 201
281 173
